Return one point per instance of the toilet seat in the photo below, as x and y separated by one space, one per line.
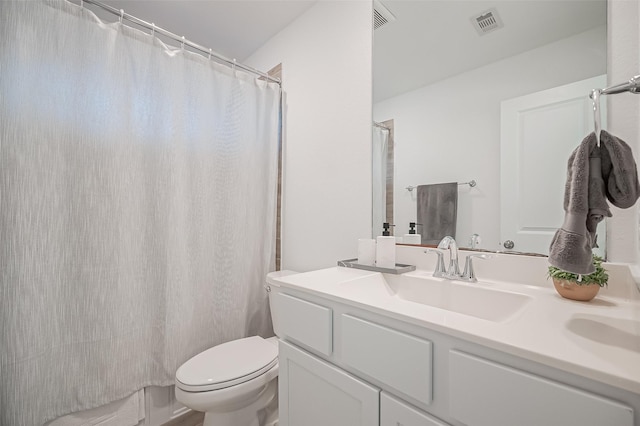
227 365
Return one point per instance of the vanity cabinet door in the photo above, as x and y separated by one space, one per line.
485 393
394 412
315 393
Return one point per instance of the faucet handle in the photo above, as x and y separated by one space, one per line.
439 271
469 274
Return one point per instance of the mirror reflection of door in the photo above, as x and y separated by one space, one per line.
539 132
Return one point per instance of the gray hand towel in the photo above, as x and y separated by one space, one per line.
619 171
570 248
598 207
594 175
437 211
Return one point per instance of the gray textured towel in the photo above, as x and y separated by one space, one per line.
571 246
437 211
594 175
598 207
619 171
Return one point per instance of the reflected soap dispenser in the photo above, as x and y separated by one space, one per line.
386 249
412 237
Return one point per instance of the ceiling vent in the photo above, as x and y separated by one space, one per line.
487 21
381 15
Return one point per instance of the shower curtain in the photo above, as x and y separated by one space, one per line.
137 208
379 170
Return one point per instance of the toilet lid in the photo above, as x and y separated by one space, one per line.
227 364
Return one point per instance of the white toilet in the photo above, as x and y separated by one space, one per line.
235 383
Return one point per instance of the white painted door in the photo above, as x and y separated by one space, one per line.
538 133
315 393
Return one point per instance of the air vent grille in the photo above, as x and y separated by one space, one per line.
487 21
378 19
381 15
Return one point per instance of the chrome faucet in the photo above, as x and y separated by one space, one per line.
453 273
454 269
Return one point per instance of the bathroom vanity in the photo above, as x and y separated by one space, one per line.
360 348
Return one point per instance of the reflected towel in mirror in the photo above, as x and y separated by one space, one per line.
437 211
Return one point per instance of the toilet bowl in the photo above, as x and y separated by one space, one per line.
235 383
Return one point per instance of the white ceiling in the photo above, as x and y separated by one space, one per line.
233 28
432 40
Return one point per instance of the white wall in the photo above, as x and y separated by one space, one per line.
450 130
326 56
623 116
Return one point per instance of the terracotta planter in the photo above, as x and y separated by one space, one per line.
573 291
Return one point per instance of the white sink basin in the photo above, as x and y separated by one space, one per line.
471 299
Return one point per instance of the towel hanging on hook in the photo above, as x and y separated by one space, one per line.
595 97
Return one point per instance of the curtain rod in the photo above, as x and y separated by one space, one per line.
155 29
382 126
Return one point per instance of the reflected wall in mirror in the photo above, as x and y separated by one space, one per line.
446 86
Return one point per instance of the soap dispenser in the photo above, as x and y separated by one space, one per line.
386 249
412 237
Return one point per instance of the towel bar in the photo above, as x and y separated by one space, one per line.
471 183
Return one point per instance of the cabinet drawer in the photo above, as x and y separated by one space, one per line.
484 393
398 360
394 413
304 322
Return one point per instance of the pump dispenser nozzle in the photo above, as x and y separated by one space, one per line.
385 229
412 227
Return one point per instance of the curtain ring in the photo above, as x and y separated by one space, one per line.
209 53
233 66
121 15
82 4
182 42
153 29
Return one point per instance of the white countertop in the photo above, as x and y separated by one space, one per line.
599 340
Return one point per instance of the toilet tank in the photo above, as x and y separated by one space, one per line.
272 288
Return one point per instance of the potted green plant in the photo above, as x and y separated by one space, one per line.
579 287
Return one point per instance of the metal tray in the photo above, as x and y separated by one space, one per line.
399 269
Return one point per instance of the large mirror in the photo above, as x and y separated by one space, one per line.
482 91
